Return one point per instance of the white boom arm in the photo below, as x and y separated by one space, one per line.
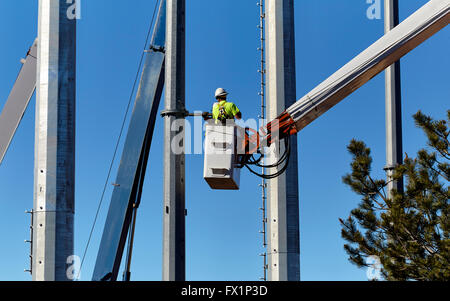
424 23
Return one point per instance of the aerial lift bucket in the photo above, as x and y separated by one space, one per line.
222 153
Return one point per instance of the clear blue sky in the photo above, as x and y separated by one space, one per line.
222 236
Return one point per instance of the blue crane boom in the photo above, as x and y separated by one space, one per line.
128 185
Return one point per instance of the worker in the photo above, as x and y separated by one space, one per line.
222 109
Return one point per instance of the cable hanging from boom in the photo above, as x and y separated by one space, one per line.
284 161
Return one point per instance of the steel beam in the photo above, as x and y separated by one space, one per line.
18 100
174 252
283 201
54 170
394 152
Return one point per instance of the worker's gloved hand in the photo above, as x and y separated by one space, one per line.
206 116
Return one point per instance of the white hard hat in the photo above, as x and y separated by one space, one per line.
221 92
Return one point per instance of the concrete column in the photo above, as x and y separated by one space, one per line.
394 151
283 203
55 142
174 159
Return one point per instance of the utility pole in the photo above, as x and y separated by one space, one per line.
283 249
174 253
394 150
54 170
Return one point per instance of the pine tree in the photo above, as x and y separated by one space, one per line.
408 231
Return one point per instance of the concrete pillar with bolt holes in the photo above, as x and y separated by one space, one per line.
394 152
283 202
53 221
174 252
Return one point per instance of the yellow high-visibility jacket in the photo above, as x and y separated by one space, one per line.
224 110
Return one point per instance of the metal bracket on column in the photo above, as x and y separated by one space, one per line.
390 167
176 113
30 241
157 49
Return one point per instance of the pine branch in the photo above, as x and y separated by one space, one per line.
408 230
383 197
